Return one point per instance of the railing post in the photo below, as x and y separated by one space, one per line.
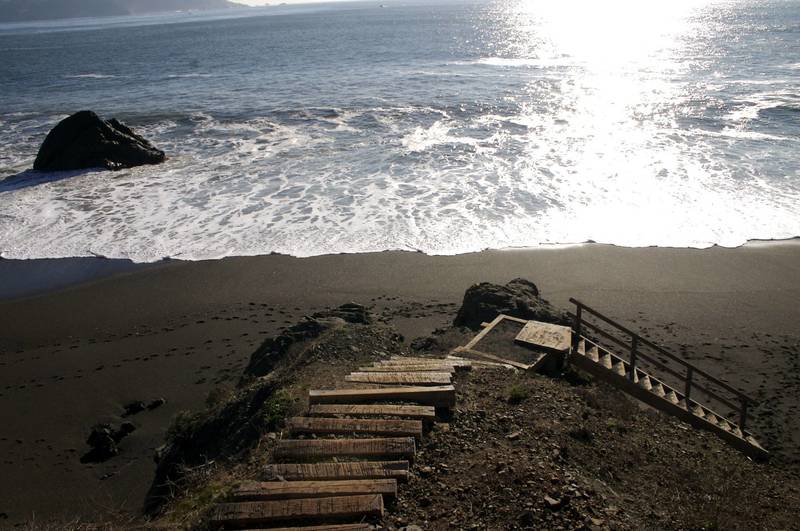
634 347
576 334
743 415
687 394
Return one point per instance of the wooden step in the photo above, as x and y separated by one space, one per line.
319 426
335 471
670 396
296 449
441 396
582 347
262 513
605 360
456 363
373 410
619 368
593 354
334 527
402 378
420 359
645 383
284 490
658 389
409 368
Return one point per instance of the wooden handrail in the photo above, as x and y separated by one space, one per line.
643 341
621 343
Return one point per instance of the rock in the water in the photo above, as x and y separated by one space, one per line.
84 140
519 298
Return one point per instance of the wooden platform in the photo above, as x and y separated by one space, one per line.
285 490
297 511
373 410
441 396
473 349
546 336
401 378
328 426
336 471
303 450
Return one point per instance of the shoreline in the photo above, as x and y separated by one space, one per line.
74 356
42 276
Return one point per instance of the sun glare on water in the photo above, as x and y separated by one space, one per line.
613 63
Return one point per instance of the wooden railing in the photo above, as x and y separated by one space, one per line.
634 345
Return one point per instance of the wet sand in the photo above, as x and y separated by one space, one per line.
74 357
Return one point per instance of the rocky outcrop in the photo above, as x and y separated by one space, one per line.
84 140
274 349
519 298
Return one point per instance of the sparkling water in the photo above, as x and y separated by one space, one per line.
445 127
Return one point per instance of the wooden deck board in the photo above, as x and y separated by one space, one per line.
373 410
333 471
334 527
546 335
438 396
308 449
410 368
401 378
411 360
299 510
319 426
284 490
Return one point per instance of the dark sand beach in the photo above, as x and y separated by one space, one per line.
175 330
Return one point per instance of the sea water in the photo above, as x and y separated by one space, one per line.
440 126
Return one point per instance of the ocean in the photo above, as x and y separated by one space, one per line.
440 126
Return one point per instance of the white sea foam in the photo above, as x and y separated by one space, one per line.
90 76
251 187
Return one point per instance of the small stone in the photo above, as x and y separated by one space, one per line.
552 503
514 436
425 471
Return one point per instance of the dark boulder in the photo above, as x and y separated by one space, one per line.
519 298
133 408
84 140
103 441
155 404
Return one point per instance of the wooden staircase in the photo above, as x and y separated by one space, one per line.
680 401
349 452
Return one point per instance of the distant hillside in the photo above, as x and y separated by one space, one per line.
23 10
